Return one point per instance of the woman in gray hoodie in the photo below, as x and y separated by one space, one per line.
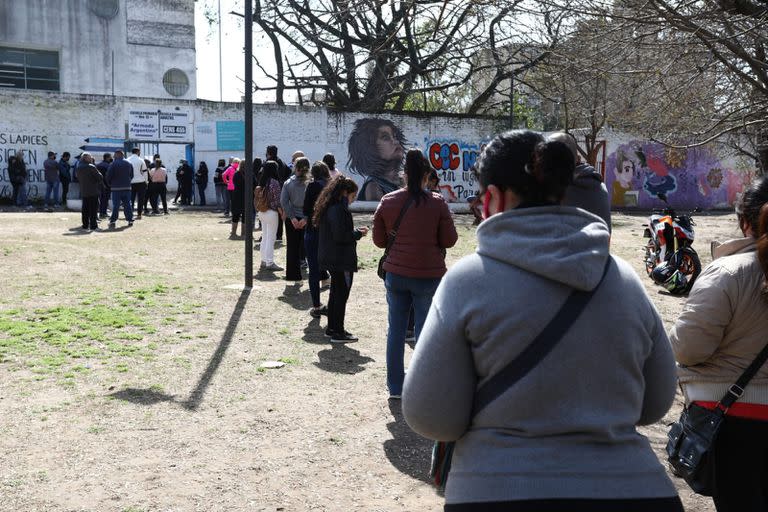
563 437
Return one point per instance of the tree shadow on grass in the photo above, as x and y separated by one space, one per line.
341 359
407 451
151 396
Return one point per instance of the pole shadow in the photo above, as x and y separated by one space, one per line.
407 451
152 397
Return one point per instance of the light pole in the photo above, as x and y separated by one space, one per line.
248 199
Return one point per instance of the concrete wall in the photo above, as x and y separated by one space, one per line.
144 39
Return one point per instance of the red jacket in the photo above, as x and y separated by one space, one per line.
425 232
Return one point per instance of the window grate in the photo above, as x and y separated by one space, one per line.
22 68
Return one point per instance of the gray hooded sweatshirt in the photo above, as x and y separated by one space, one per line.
566 429
587 191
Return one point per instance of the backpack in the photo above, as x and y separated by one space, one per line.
260 200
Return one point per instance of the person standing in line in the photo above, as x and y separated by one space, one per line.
330 160
292 201
13 178
201 178
269 187
158 184
105 191
587 190
219 185
563 435
722 328
22 177
51 170
320 178
283 173
119 177
91 183
337 251
188 183
238 203
139 180
226 177
65 176
416 261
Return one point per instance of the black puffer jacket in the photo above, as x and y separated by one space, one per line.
337 248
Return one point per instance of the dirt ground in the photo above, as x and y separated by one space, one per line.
131 374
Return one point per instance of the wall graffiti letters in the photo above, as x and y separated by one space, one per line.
453 160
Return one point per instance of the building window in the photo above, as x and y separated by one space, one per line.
176 82
29 69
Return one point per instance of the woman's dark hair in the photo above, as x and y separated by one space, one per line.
752 212
504 159
222 162
320 171
331 194
268 171
158 163
363 158
553 166
537 171
330 161
203 167
416 167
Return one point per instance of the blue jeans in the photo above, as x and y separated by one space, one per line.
402 293
121 197
51 192
21 199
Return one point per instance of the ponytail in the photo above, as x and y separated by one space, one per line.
553 166
416 167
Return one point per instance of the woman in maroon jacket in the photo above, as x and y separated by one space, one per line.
416 260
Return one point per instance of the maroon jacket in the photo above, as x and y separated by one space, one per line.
425 232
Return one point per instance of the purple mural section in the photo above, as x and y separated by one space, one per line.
637 171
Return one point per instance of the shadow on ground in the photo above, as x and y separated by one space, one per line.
152 397
407 451
342 359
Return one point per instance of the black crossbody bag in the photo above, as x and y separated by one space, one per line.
391 238
519 367
691 445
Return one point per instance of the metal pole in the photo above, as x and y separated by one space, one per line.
221 82
248 200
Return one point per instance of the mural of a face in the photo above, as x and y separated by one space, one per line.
624 172
376 148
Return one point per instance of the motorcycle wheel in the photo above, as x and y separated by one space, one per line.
651 256
690 265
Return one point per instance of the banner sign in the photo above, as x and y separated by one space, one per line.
160 125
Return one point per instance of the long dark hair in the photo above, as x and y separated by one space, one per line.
363 158
331 194
416 167
268 171
320 171
752 212
203 167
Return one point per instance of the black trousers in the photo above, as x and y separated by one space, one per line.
341 283
572 505
293 251
741 466
158 191
279 231
15 195
64 192
138 193
90 212
201 198
104 200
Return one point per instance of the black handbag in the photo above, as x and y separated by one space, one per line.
535 352
691 445
391 238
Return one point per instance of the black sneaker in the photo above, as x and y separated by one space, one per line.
330 333
346 337
318 312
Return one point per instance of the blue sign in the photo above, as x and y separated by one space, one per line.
230 135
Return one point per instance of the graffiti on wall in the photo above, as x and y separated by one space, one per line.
453 160
638 171
376 149
33 148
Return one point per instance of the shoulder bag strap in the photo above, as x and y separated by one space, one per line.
537 349
737 389
392 234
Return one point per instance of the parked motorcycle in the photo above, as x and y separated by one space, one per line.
669 258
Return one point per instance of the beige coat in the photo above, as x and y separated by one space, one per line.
723 326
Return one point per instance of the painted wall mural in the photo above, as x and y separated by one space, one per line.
453 160
637 171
